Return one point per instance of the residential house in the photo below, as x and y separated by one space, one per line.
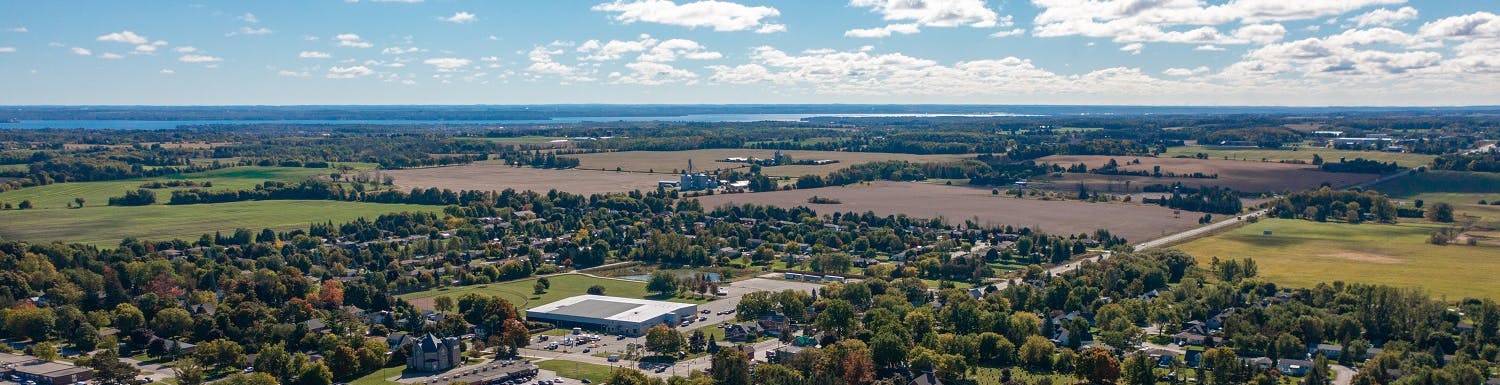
1259 363
774 324
1327 350
1189 339
1294 367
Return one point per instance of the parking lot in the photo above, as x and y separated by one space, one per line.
478 373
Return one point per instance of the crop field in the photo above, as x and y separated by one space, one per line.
1135 222
494 176
1302 153
1463 190
1303 253
1238 175
669 161
520 294
59 196
105 226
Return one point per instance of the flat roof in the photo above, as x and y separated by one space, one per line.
610 308
50 369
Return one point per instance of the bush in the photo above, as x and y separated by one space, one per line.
596 290
139 197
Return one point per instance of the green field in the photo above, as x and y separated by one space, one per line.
1303 253
1463 190
519 292
61 195
379 377
106 226
1303 154
577 370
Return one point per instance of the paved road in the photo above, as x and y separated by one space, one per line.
1174 238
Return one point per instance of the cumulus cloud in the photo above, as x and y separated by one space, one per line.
648 48
1186 71
7 49
936 13
1133 48
719 15
349 72
249 18
886 31
195 58
18 30
400 50
293 74
126 37
447 63
352 40
652 73
186 49
1385 17
460 18
82 51
314 55
1009 33
149 48
1182 21
251 31
543 63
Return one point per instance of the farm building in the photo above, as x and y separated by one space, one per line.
606 314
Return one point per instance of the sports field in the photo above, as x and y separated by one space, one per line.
105 226
562 286
1304 253
1303 154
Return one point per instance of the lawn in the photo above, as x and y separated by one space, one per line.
575 370
379 377
1304 253
1303 154
57 196
106 225
519 292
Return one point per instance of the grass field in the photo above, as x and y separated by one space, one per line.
667 161
105 225
1303 253
1463 190
1303 154
576 370
58 196
379 377
519 292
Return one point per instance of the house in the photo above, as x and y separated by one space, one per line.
1327 350
316 325
1192 358
737 332
926 378
1189 339
1196 327
202 308
773 324
781 354
431 354
398 340
1217 321
1294 367
173 347
1259 363
1163 357
747 349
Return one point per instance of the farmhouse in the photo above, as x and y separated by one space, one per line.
628 316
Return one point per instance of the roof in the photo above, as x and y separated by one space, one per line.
50 369
927 378
610 308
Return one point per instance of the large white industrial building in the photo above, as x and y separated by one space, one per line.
613 315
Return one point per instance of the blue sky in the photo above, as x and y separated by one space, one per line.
1158 52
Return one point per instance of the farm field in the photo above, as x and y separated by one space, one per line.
1302 153
1463 190
1304 253
667 161
494 176
59 196
1135 222
1238 175
519 292
105 226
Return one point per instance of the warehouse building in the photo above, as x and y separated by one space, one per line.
22 369
613 315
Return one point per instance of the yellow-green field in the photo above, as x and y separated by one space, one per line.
1303 253
58 196
105 226
1463 190
1304 154
519 292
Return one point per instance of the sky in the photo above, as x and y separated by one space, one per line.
1074 52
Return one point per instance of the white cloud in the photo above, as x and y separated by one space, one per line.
186 49
886 31
166 71
352 40
1182 72
936 13
7 49
19 30
650 50
652 73
1009 33
719 15
293 74
1209 47
1474 25
349 72
447 63
1180 21
1385 17
249 18
110 56
195 58
460 18
149 48
400 50
251 31
126 37
81 51
1133 48
313 55
542 63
